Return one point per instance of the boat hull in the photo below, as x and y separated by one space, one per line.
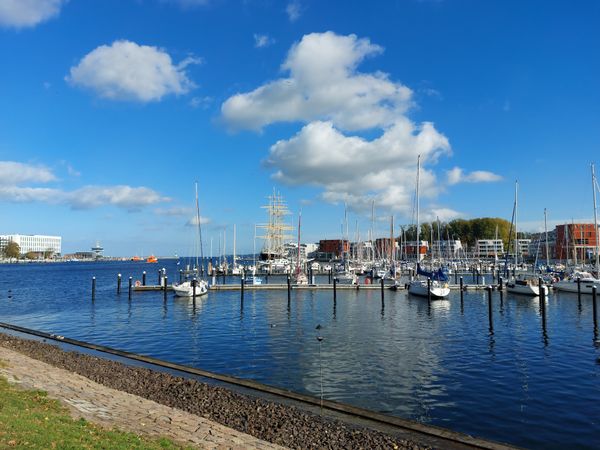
571 286
186 289
528 290
420 289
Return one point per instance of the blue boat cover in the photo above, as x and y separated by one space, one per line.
438 275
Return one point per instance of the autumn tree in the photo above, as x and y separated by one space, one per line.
12 250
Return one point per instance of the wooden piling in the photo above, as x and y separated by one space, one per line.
491 319
118 283
130 284
500 283
542 301
579 290
242 288
334 289
165 282
93 288
194 283
180 275
289 288
429 289
461 291
382 290
144 278
594 308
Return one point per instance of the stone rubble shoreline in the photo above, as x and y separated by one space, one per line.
277 423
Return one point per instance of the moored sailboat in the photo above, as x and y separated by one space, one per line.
193 287
434 286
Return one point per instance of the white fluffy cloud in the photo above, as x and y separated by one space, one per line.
262 40
356 170
125 70
28 13
457 175
13 175
323 84
293 10
336 104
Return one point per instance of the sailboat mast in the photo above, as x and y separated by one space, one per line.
234 258
417 200
516 226
546 233
596 223
298 260
199 229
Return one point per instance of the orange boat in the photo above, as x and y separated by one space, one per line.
152 259
136 258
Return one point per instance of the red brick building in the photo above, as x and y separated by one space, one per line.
578 238
335 247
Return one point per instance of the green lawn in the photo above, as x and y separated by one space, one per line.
28 419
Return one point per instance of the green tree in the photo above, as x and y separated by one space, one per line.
12 250
31 255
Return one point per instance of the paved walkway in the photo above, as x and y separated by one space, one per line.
111 408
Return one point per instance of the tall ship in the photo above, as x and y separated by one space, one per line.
276 233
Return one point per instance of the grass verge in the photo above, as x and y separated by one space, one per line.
28 419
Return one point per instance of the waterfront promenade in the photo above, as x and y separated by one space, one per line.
116 409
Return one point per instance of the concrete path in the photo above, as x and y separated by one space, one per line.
111 408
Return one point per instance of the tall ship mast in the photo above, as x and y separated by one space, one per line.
276 231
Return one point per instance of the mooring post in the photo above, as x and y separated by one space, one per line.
382 290
93 288
461 290
165 281
594 308
194 283
118 283
489 290
329 276
500 283
334 289
542 301
289 288
159 277
242 288
144 278
130 283
579 290
181 275
429 289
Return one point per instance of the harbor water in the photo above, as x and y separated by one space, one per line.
438 363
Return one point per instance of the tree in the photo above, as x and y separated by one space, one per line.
12 250
48 253
31 255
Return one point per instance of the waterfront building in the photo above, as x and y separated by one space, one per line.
448 248
410 249
575 241
332 248
33 243
489 247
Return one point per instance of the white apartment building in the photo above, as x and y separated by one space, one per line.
490 247
33 243
452 248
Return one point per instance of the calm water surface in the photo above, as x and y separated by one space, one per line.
437 364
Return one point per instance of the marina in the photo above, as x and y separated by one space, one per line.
434 362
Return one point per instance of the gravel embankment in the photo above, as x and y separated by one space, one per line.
281 424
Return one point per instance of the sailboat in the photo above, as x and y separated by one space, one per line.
299 277
187 288
522 285
436 286
586 280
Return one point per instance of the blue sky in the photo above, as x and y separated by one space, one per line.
111 109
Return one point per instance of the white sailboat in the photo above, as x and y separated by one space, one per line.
197 287
586 280
425 288
522 285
